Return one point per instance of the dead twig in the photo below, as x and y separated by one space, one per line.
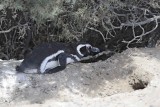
91 28
96 56
14 27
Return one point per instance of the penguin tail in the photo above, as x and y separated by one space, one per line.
19 69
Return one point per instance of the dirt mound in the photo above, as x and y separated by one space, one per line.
122 80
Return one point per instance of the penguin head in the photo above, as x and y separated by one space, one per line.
87 49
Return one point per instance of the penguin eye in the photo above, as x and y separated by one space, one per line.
89 48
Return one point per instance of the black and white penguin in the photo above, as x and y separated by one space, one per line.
53 57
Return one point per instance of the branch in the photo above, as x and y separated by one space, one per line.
7 31
2 55
91 28
139 37
140 23
96 56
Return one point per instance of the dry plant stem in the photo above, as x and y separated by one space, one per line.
7 31
91 28
2 55
133 20
96 56
139 37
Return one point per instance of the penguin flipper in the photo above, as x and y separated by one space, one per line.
62 58
19 68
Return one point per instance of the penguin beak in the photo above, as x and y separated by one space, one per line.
95 50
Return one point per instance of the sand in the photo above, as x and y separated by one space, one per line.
127 79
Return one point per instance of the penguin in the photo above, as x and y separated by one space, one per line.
54 57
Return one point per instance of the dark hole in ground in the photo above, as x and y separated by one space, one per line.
139 85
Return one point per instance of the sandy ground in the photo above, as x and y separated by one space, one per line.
128 79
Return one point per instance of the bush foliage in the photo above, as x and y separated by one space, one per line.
111 24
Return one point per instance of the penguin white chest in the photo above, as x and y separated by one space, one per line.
52 64
69 60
